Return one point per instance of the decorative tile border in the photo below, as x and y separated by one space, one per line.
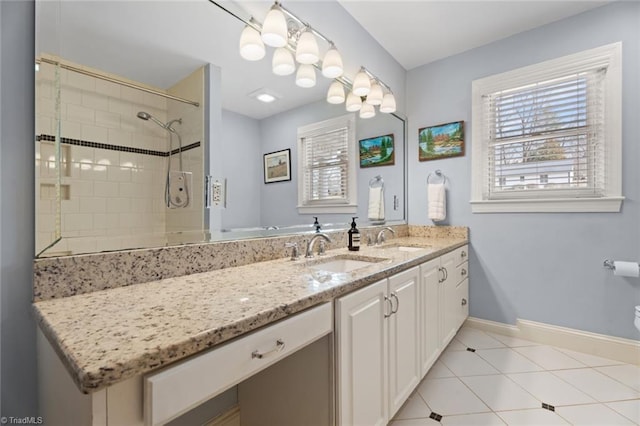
100 145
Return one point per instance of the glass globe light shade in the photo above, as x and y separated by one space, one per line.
306 76
367 111
375 95
354 103
274 30
388 104
251 45
361 84
332 63
307 51
282 62
336 93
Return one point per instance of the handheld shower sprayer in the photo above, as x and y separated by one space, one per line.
176 192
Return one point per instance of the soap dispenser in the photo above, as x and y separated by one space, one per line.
316 224
354 236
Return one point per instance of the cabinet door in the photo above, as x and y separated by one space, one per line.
404 337
462 300
429 314
362 336
449 304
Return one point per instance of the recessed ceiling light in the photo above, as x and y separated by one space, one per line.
265 95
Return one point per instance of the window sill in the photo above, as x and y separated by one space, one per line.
549 205
348 208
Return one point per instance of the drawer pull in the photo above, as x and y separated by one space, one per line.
397 303
463 272
279 347
463 254
464 302
391 312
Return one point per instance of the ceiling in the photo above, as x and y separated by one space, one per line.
161 42
419 32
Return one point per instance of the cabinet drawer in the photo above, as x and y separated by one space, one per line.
462 300
461 254
177 389
462 272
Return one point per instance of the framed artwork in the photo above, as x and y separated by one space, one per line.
378 151
441 141
277 166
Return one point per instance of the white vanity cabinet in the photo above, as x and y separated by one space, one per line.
390 333
378 349
444 296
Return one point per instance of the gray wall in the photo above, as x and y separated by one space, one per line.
18 368
540 267
242 167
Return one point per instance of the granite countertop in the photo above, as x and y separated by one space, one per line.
108 336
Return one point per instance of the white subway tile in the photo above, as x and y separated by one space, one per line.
119 205
106 189
95 173
80 114
46 108
71 130
118 174
122 107
107 157
95 101
130 159
119 137
108 119
81 81
94 133
131 95
70 95
83 188
107 88
93 205
78 221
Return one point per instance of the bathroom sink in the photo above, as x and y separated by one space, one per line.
343 263
404 248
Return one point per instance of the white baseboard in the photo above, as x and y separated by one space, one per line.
228 418
617 348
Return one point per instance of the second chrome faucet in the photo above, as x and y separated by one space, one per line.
312 241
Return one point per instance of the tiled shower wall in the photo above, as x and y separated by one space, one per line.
113 164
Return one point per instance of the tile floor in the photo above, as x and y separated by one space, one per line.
517 382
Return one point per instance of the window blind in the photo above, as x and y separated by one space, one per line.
546 138
326 166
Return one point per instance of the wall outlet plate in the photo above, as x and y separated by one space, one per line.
219 192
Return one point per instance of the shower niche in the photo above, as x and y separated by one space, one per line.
119 165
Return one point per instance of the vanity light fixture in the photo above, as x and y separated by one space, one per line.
332 63
354 102
251 45
306 76
282 63
367 111
336 93
375 94
274 30
307 51
288 33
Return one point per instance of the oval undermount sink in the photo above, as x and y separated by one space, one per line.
403 248
343 263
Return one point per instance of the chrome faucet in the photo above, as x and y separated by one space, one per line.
312 241
381 239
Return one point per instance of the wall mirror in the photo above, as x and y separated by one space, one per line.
138 102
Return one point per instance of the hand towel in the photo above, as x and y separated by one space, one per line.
437 201
376 203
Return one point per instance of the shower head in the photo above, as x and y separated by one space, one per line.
146 116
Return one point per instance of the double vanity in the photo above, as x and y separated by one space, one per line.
342 338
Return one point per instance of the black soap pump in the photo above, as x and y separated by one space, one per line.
354 236
317 224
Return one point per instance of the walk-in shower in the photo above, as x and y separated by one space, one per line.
177 190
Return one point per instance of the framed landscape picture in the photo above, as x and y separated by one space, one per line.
277 166
378 151
441 141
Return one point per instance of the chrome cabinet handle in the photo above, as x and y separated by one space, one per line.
279 347
463 272
464 302
397 304
440 280
446 274
463 254
386 299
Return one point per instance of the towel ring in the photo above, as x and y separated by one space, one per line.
438 174
375 181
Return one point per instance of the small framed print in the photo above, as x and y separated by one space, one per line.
441 141
277 166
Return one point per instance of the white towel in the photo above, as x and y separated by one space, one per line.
437 201
376 203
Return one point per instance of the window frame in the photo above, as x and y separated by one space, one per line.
328 206
609 56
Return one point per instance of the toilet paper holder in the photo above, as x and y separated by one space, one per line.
609 264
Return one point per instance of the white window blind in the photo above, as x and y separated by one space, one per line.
546 138
326 175
327 166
